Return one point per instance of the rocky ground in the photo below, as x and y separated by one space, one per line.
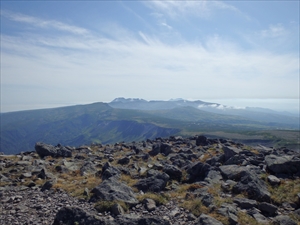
163 181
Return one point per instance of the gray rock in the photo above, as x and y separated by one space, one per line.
87 168
197 171
248 182
117 209
111 189
260 218
124 161
273 180
154 183
150 204
25 175
63 152
232 172
207 220
191 217
267 208
155 149
245 203
142 170
207 199
110 172
283 164
201 141
253 186
230 152
70 165
283 220
144 221
236 160
75 215
43 149
174 212
166 149
213 177
48 184
230 212
173 171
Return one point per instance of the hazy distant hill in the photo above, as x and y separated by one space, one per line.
252 113
129 120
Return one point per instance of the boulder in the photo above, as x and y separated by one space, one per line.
267 209
207 220
63 152
283 164
111 190
207 199
117 209
155 149
232 172
166 149
155 183
253 186
230 212
110 172
197 171
201 141
48 184
283 220
273 180
213 177
173 171
150 204
261 219
43 149
245 203
247 180
76 215
230 151
87 168
154 220
124 161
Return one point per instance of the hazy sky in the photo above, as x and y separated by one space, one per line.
69 52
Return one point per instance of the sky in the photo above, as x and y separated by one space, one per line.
57 53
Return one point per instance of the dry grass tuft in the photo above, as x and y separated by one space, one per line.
128 180
245 219
105 206
159 199
195 206
74 183
219 217
286 192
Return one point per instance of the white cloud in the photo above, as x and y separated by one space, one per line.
198 8
43 23
86 68
273 31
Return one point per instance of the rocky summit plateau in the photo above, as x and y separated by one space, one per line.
164 181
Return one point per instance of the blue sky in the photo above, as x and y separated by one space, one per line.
56 53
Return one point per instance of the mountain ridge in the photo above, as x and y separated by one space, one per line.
106 123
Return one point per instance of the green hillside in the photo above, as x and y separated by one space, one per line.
100 123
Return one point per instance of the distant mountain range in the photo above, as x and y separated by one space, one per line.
133 120
252 113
